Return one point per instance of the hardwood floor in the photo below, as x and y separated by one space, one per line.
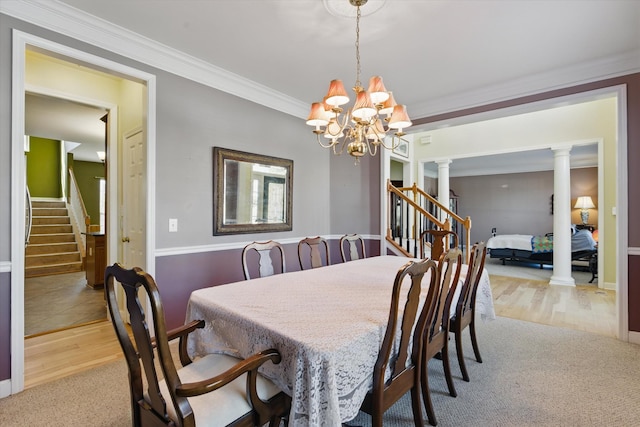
52 356
585 308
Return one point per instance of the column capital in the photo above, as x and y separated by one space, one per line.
563 150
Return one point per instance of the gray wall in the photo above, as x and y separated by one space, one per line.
518 203
330 194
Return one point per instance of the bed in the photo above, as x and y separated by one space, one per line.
539 249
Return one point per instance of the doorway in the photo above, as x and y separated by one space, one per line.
88 63
66 138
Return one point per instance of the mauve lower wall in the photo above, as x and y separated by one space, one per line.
179 275
5 322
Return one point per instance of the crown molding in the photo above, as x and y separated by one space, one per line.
66 20
586 72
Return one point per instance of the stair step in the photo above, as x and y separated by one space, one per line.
51 259
51 229
72 267
51 220
40 239
49 212
48 204
51 248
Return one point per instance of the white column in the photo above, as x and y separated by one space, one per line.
562 218
443 185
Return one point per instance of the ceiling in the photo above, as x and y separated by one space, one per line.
435 55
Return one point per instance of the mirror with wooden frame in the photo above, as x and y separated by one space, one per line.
252 193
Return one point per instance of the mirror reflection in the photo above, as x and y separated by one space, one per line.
253 192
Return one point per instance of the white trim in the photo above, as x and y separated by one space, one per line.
18 87
18 185
186 250
633 251
5 266
64 19
634 337
622 216
587 72
5 388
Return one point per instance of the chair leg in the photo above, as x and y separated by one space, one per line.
459 352
426 396
416 406
447 370
474 341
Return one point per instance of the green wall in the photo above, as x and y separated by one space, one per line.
86 173
43 168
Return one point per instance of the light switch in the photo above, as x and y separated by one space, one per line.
173 225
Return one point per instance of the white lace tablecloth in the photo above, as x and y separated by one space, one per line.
328 324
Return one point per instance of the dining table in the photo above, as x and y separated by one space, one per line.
328 324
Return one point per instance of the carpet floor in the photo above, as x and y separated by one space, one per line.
532 375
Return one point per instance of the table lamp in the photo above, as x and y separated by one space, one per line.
584 203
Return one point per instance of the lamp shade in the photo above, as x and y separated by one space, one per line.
387 107
377 91
363 108
336 96
399 118
317 116
584 202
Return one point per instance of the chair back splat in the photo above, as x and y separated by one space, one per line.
215 389
438 242
437 330
317 250
409 308
265 262
355 244
465 309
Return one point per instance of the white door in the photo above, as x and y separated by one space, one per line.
133 233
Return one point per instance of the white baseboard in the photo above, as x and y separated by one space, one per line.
5 388
610 286
634 337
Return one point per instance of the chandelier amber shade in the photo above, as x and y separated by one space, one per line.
361 128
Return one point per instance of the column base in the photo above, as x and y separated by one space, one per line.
561 280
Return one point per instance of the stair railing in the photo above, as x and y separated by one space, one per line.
78 213
412 211
28 217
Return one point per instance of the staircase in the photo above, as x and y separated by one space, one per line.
52 247
411 211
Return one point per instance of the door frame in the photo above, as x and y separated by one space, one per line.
20 43
621 205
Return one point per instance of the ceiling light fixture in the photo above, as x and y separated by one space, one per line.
361 129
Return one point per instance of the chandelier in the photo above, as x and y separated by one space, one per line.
361 128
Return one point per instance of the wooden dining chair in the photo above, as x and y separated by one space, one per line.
434 242
436 341
314 247
465 308
405 332
355 244
216 389
265 263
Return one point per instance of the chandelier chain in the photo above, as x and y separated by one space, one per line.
358 84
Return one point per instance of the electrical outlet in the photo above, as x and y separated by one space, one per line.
173 225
